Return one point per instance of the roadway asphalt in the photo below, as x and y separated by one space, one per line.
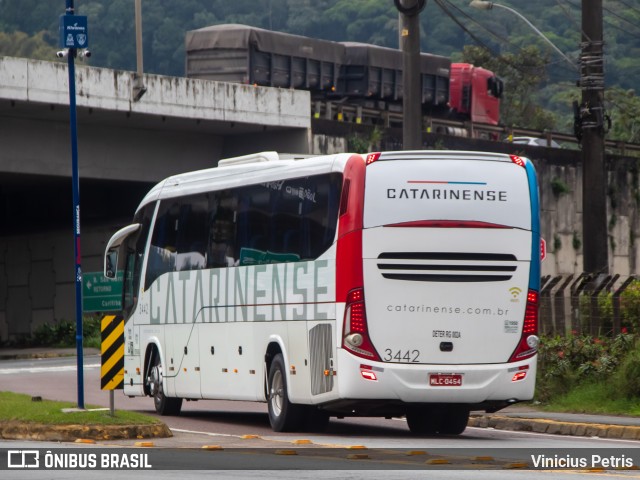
516 418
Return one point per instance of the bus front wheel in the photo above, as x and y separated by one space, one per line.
284 416
164 405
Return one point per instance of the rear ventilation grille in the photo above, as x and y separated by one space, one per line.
320 346
447 267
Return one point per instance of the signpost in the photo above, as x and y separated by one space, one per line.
73 35
101 294
112 356
73 31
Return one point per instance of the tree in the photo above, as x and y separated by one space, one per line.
523 74
623 106
19 44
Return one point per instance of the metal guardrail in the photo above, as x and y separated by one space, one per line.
392 117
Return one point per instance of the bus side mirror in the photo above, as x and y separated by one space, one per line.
111 263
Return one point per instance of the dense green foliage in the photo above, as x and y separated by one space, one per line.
539 81
581 373
111 28
62 333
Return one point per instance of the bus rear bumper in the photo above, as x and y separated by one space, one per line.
480 384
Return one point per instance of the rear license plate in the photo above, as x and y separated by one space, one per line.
445 379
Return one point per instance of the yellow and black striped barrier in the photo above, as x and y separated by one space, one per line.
112 351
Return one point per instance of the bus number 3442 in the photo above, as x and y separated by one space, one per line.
407 356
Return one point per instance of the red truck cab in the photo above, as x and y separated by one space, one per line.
475 93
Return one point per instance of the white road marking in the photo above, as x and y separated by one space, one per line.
62 368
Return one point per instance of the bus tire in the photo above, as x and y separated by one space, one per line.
455 420
284 416
164 405
423 420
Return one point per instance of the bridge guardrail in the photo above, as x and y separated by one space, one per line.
367 115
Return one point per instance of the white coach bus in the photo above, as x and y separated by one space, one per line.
393 284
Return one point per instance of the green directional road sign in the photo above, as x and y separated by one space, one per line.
101 294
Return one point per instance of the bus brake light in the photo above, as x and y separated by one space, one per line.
356 334
528 344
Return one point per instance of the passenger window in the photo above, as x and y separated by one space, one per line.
221 224
321 216
192 233
162 252
273 222
254 223
286 235
134 249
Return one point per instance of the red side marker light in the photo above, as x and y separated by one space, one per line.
517 160
372 157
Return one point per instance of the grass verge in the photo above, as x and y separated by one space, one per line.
593 398
15 407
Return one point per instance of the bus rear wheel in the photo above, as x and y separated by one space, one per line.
455 420
284 416
429 420
422 420
164 405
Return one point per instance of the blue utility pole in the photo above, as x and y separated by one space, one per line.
73 34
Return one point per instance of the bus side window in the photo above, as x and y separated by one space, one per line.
134 248
221 224
253 224
192 233
320 217
162 251
285 234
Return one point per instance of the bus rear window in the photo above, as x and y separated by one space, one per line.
404 191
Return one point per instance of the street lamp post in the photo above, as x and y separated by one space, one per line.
139 88
484 5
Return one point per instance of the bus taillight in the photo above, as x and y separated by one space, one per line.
528 345
356 335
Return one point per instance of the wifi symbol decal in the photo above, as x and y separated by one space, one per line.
515 291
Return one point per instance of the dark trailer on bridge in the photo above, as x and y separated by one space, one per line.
254 56
329 70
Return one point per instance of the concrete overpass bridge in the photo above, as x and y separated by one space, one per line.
124 147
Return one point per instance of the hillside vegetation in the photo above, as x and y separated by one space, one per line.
29 28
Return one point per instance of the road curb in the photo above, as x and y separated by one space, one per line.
37 353
577 429
71 433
